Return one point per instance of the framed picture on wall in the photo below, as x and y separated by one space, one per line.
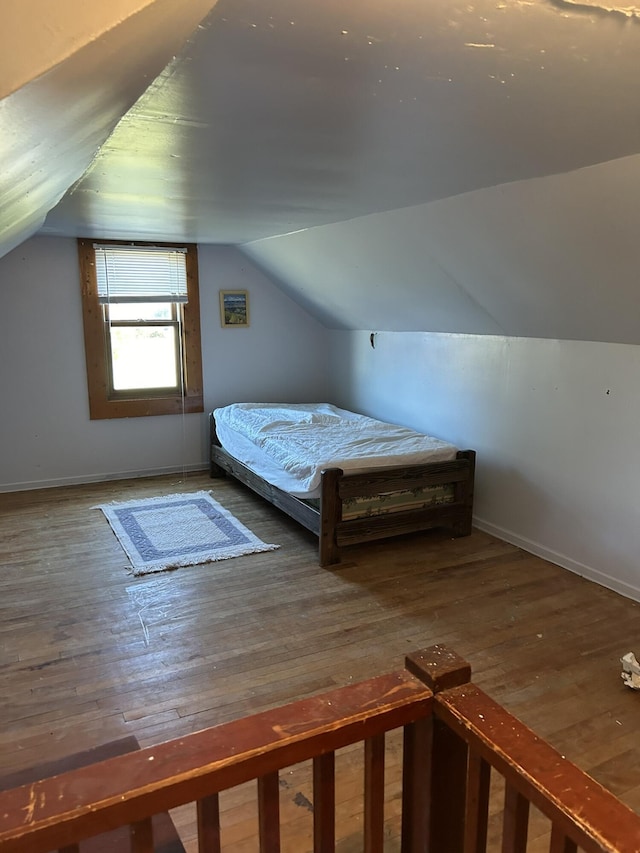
234 308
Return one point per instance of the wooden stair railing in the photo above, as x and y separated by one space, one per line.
483 736
454 736
59 812
473 735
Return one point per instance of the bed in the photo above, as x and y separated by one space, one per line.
345 477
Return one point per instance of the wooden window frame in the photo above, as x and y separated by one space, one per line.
102 403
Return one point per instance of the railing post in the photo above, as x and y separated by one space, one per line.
515 820
444 788
374 771
208 820
324 803
416 786
141 835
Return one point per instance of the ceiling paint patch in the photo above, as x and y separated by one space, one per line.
628 12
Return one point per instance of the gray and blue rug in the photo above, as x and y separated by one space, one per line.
179 530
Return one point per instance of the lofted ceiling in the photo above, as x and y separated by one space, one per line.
241 121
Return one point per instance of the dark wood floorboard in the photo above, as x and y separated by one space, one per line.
89 654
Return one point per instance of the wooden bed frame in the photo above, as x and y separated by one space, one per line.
326 521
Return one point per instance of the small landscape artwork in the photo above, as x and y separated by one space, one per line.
234 308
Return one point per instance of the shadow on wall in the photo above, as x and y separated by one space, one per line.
545 518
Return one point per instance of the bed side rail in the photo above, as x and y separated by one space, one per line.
303 513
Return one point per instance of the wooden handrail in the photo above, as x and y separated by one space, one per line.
454 737
581 811
54 813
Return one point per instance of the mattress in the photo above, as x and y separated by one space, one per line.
289 445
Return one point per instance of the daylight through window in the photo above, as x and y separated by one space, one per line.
142 329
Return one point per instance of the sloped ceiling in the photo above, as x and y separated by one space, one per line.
547 258
68 74
422 127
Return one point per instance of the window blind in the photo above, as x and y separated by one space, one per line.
137 274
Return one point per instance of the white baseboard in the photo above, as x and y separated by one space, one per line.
561 560
101 478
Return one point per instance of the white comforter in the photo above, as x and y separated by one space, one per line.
290 444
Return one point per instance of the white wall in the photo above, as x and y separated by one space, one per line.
46 436
551 257
554 423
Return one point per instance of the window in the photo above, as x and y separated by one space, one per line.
141 328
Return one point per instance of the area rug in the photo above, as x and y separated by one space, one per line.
171 531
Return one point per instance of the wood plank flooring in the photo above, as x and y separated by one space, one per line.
89 653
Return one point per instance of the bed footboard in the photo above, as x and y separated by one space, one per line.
337 487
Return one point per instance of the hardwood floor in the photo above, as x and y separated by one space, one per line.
89 653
